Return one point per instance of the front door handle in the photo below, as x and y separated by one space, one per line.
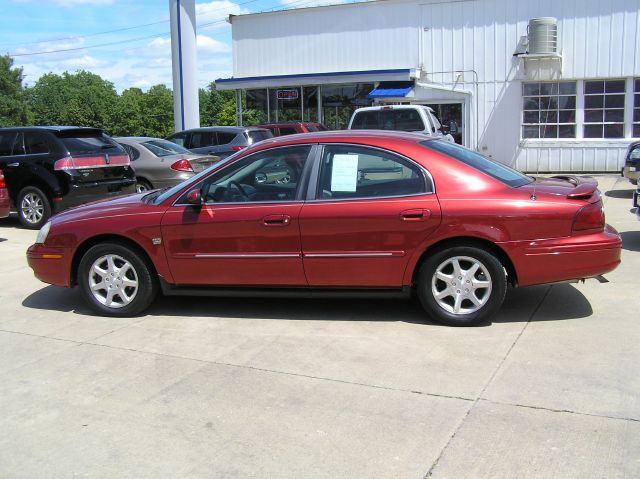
415 215
13 165
276 220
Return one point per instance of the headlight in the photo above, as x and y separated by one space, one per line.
42 234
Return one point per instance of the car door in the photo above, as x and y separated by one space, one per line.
372 209
247 230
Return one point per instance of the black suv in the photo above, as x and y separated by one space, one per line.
221 141
50 168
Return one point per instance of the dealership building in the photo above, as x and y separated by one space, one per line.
540 85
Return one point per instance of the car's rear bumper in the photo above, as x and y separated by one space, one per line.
51 265
81 193
5 203
565 259
631 172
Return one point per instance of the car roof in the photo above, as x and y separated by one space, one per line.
235 129
138 139
392 107
288 123
51 128
347 136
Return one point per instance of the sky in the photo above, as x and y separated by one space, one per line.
141 55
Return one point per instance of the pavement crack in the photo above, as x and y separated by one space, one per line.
488 383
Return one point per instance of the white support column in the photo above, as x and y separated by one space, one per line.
186 111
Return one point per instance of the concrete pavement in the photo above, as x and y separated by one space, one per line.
308 388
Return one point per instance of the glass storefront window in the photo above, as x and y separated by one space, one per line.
310 112
339 102
284 104
256 101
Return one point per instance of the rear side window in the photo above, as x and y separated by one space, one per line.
78 143
200 139
475 160
35 143
361 172
178 138
225 138
6 140
131 151
259 135
287 130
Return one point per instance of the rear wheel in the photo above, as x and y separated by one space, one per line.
461 286
142 185
116 281
33 207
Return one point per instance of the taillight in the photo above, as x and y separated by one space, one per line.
99 161
238 148
182 165
590 217
3 183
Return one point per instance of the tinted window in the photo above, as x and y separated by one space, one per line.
492 168
202 138
225 138
18 145
82 143
164 148
365 120
287 130
131 151
36 142
259 135
178 138
271 175
316 128
360 172
6 140
392 119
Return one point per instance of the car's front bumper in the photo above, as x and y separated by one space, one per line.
50 265
569 258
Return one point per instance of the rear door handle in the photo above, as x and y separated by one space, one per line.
276 220
415 215
13 165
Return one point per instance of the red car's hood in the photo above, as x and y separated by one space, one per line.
568 186
109 207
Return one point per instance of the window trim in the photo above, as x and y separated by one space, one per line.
300 189
314 181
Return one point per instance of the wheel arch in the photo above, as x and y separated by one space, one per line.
452 242
87 244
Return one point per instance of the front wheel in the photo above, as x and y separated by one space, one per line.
116 281
461 286
142 185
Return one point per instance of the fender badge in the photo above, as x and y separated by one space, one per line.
156 241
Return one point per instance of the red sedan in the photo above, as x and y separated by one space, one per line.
380 213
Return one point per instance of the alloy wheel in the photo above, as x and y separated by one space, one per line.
32 208
461 285
113 281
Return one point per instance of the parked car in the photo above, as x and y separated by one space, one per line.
293 127
221 141
631 169
5 203
636 202
160 163
415 118
50 168
378 213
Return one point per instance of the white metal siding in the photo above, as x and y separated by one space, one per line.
597 39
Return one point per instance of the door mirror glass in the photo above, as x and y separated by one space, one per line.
194 197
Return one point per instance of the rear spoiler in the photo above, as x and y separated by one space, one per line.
585 186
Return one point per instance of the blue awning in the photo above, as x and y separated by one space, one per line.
391 90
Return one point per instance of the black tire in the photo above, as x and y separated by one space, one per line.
34 208
142 185
139 271
481 292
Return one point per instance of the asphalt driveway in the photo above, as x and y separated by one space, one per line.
316 388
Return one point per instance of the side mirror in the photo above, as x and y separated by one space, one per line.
194 197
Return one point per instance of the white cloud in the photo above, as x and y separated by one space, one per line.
214 14
310 3
84 62
209 45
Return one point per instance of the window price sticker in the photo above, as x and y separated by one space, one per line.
344 174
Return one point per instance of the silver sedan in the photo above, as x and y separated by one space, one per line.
160 163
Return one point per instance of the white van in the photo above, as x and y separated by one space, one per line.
416 118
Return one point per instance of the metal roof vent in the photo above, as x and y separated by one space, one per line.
543 35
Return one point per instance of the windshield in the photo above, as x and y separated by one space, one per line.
164 148
158 197
475 160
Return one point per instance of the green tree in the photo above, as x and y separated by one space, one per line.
157 112
80 98
128 113
13 105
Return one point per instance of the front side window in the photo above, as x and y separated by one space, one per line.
360 172
604 109
475 160
549 110
266 176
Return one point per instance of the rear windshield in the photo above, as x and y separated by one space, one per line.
496 170
164 148
80 143
400 119
315 128
259 135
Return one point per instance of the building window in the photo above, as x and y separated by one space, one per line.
604 109
340 101
636 109
549 110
